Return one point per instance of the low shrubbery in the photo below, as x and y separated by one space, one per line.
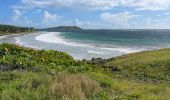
17 57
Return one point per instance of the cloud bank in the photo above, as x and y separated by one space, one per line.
152 5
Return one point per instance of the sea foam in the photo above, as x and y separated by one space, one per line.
2 37
123 50
95 52
19 42
54 37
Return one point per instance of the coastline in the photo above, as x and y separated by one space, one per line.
22 33
78 50
15 34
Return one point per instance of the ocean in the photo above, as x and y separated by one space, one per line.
87 44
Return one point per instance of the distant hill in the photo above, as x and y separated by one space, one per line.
62 28
6 29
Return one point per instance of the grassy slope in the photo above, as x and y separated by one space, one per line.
38 74
147 66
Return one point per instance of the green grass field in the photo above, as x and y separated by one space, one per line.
29 74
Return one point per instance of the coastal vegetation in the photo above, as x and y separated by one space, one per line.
9 29
30 74
63 28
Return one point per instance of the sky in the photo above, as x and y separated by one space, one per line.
88 14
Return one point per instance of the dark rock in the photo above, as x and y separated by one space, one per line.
98 61
115 69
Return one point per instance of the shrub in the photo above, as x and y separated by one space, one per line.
13 57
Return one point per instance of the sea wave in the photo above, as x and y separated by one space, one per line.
95 52
2 37
77 49
123 50
54 37
19 42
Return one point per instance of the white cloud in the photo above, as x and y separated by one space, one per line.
87 4
17 14
97 4
19 19
146 4
118 20
152 5
50 17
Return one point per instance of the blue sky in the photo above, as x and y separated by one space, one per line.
93 14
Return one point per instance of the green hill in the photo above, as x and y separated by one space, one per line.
63 28
39 74
7 29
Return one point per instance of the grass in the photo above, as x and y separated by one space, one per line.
71 87
29 85
29 74
23 85
123 89
147 66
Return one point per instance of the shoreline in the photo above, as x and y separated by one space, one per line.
22 33
2 36
83 51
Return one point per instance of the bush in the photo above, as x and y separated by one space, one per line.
13 57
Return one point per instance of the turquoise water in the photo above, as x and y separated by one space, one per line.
122 37
89 44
